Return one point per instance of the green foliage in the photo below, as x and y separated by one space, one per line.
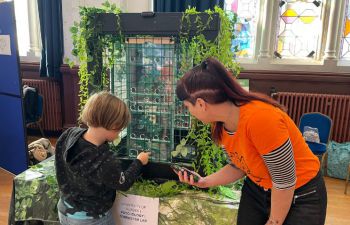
38 193
196 49
180 149
150 188
89 47
227 192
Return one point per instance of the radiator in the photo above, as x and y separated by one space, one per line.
52 114
337 107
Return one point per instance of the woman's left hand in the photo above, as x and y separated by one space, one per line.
184 177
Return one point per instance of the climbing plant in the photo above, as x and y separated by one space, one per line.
89 46
197 48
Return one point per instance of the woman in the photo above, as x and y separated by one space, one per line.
283 184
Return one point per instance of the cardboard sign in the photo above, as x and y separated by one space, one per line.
136 210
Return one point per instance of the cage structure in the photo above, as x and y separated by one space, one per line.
145 78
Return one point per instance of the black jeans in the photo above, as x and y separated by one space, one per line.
308 206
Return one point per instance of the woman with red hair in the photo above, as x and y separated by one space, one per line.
283 183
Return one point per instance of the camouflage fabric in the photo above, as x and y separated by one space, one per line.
36 197
194 207
36 193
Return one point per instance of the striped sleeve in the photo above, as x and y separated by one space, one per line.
281 166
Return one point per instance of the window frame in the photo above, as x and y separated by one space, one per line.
35 47
256 48
342 62
320 63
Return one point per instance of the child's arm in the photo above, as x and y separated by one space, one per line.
125 179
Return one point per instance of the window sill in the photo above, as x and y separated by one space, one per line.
246 61
343 63
304 62
30 59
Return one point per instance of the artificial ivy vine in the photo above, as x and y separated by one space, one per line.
198 48
151 189
89 45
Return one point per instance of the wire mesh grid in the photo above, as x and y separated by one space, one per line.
145 78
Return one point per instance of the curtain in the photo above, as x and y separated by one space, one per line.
182 5
50 16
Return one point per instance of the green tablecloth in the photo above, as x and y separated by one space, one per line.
36 197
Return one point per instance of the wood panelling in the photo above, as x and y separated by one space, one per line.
259 80
70 95
297 81
30 70
69 90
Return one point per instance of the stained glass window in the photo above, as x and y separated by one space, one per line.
345 51
245 29
299 29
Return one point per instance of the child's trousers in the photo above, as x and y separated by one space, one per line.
106 220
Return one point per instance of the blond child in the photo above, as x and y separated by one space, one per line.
88 172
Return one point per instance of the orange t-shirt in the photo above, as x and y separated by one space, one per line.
261 129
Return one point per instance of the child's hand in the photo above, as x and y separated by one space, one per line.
143 157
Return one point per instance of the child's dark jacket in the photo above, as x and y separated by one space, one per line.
88 176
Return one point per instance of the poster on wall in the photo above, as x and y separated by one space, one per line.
5 45
135 210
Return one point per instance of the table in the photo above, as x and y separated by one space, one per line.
36 196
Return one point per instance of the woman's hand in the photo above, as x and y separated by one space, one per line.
187 178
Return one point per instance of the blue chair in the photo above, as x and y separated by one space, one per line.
324 125
36 119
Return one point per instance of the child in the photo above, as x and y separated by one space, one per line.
88 173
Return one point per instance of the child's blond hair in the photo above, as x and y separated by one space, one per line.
105 110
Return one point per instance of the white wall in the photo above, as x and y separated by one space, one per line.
70 13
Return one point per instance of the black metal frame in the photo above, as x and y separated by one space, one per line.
150 23
156 24
147 23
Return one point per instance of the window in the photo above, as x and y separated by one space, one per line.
28 32
245 29
345 49
299 29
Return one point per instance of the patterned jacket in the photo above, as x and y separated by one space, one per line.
89 175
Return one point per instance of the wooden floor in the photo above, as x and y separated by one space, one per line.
338 211
5 194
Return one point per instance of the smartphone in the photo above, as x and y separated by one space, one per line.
178 168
